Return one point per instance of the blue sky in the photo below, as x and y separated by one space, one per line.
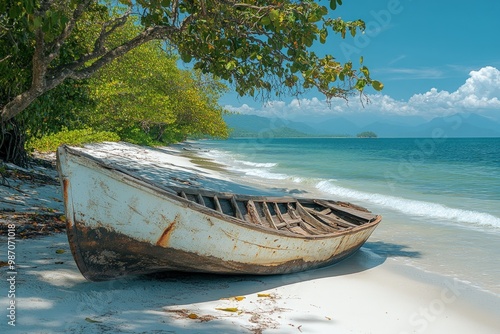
435 58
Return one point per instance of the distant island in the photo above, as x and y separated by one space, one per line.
367 134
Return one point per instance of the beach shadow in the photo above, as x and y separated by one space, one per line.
385 249
54 290
360 261
371 255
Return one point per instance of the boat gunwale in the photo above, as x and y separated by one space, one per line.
114 171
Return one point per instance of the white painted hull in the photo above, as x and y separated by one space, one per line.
119 225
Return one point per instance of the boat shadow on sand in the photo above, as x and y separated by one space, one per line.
53 289
371 255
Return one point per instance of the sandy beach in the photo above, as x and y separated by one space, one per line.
369 292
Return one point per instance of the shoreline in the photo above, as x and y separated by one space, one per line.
474 296
366 293
413 229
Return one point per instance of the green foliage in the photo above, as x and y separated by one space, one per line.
71 137
265 46
259 47
333 3
143 97
147 99
367 134
58 108
18 34
16 50
61 108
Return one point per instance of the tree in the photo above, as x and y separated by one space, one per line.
146 96
53 109
259 46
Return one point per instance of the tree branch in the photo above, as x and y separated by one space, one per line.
44 7
175 12
5 58
44 80
105 32
68 29
257 8
77 70
39 63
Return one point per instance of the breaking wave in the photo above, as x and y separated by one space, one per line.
413 207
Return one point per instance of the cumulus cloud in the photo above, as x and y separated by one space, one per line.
480 92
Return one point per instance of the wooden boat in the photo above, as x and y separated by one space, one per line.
119 223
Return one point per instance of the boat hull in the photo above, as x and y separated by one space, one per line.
119 225
116 255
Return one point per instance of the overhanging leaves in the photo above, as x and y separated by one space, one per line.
258 46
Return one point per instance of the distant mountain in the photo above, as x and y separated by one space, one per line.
244 125
334 127
283 132
481 121
250 125
458 125
363 119
388 130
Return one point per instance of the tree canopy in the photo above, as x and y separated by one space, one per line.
145 95
258 46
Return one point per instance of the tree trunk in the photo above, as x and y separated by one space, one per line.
18 104
12 140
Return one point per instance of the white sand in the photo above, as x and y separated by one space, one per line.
366 293
18 195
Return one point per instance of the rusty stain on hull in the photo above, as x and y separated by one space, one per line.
163 241
65 191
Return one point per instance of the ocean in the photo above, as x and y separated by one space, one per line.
439 197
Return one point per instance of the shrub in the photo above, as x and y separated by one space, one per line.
73 137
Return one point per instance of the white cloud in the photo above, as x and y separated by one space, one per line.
480 92
243 109
482 86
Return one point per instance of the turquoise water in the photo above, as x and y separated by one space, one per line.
440 198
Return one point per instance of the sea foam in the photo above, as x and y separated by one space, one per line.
414 207
257 164
234 163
